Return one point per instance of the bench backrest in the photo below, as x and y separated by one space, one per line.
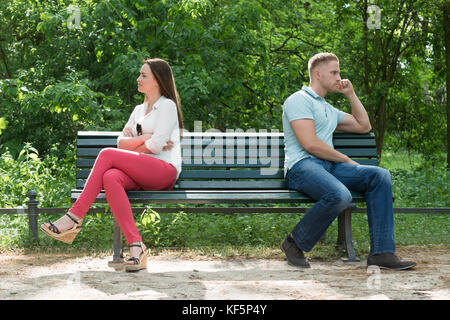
214 160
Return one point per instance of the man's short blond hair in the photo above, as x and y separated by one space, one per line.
320 58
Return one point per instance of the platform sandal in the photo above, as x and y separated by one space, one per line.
137 263
66 236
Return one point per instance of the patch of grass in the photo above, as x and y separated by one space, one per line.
229 236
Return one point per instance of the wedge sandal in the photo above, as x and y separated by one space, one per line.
137 263
64 236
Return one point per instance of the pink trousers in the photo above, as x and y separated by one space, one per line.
116 171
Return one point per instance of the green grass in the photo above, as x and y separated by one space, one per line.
229 235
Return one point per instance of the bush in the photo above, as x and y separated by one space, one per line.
51 177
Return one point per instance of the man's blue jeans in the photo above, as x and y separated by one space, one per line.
329 183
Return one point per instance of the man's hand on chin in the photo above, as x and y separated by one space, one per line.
345 86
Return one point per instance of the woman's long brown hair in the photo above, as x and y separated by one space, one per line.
163 75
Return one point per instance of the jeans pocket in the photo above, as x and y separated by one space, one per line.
297 177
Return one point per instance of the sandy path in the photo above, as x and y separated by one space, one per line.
172 276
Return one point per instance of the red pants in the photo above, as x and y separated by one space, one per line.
116 171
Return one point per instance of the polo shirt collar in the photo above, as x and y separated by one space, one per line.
312 93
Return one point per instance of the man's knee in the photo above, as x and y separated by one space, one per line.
341 198
382 175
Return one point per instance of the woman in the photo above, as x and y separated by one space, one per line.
148 157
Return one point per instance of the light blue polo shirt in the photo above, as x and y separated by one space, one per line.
306 104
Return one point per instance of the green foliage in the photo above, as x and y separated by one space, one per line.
191 230
235 62
3 124
48 117
51 177
427 187
149 224
417 181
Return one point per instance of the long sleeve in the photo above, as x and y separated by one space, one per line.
130 124
165 124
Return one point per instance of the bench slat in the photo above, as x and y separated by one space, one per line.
101 134
223 184
244 153
215 197
220 184
236 144
189 173
88 163
212 174
239 141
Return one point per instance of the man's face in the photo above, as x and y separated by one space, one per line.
329 75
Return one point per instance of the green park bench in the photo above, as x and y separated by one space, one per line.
241 169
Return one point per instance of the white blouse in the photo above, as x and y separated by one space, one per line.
162 123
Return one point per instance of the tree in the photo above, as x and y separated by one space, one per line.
234 61
446 22
387 50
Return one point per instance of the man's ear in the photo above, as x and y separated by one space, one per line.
316 73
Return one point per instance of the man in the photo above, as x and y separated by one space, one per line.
314 167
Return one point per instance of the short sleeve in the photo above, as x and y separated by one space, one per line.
298 107
340 115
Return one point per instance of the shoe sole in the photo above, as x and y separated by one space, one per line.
65 236
399 268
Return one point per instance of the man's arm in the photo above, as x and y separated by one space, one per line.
306 134
358 121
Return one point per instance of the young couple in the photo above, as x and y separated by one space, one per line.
148 157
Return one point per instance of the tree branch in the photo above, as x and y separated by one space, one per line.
5 62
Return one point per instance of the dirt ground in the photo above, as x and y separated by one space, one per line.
173 275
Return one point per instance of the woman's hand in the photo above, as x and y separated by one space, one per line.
128 132
145 136
168 146
130 141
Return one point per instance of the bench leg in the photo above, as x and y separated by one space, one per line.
117 247
117 256
345 234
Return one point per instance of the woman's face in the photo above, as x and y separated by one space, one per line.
146 81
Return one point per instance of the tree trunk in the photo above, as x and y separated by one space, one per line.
380 125
447 58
